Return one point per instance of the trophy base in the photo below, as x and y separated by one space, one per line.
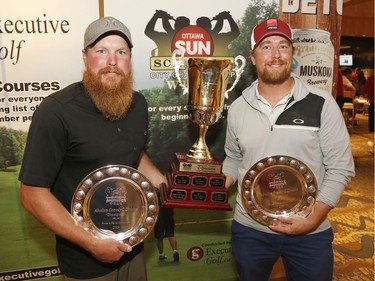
189 187
194 198
184 163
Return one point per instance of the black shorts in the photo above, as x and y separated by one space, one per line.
164 226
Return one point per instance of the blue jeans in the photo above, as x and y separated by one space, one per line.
305 257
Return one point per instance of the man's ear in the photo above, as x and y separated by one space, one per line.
84 56
251 55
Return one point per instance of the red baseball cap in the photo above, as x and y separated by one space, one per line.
270 27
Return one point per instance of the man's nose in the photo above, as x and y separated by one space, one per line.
275 53
112 59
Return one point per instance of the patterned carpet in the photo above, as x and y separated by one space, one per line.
353 219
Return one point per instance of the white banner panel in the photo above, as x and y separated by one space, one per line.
40 52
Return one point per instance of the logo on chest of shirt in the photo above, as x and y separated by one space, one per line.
298 121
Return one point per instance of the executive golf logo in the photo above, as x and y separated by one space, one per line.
195 253
30 274
11 31
216 253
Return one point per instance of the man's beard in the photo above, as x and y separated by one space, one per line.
275 76
111 97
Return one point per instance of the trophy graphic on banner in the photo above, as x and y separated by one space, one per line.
196 180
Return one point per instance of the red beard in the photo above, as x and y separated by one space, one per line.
112 96
275 76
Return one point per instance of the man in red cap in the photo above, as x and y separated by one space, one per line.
278 122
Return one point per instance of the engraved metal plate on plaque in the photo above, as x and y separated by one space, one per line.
278 186
116 201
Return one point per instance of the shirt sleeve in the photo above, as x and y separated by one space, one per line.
45 146
338 163
233 154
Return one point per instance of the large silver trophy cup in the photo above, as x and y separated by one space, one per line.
196 180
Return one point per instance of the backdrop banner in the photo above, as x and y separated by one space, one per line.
40 53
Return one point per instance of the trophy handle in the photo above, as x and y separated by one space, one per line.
177 62
238 70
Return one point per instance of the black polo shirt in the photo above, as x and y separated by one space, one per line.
67 139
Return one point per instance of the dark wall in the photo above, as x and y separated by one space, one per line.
362 49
